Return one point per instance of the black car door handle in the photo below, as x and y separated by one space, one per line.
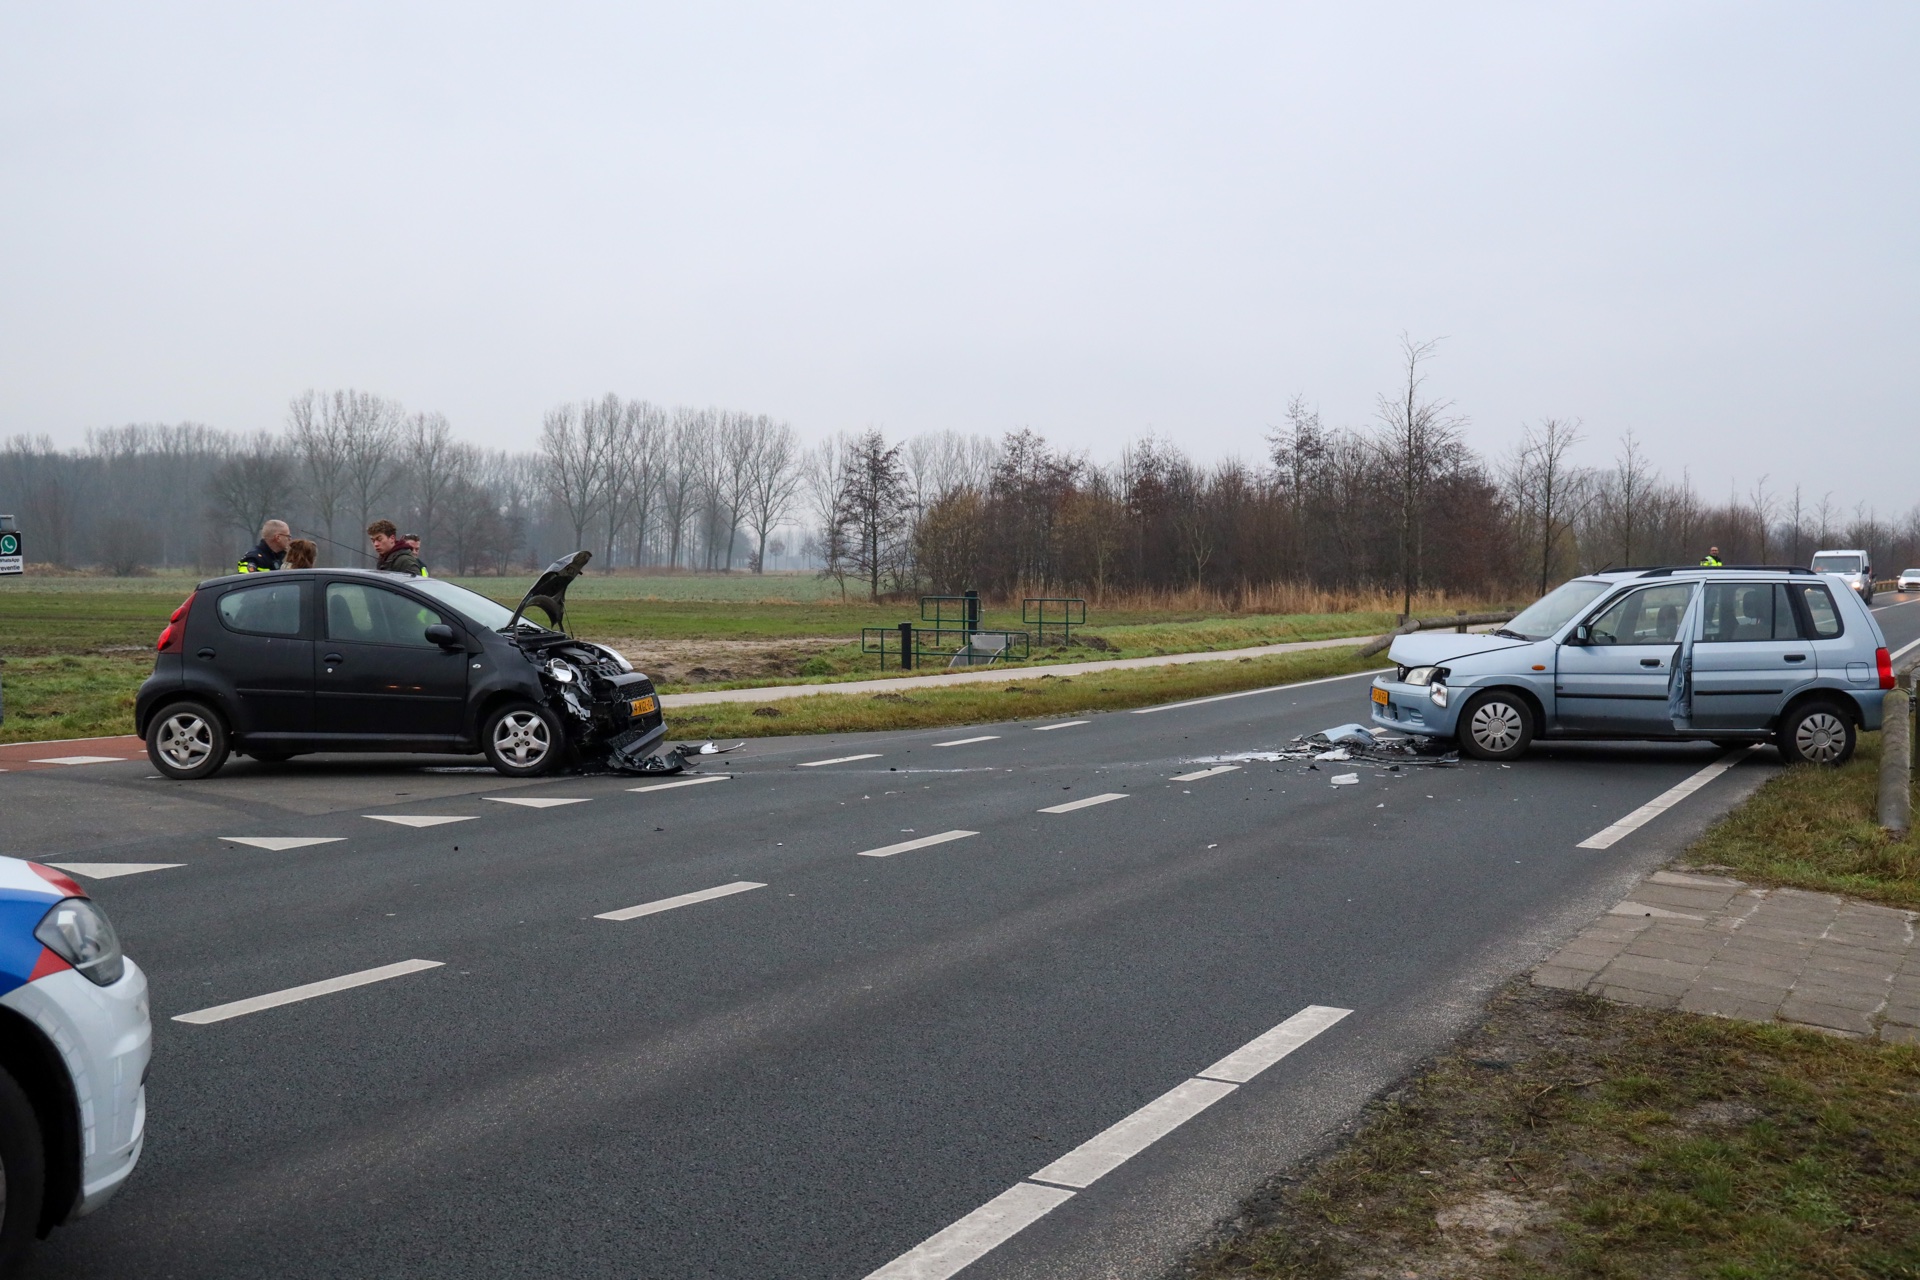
1796 657
205 653
333 657
1649 662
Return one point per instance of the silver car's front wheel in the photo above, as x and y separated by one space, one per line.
522 740
1495 726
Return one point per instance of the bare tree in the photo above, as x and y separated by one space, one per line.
573 459
773 479
738 440
255 484
434 462
681 478
872 508
1764 505
321 445
821 473
1419 442
1627 495
1545 488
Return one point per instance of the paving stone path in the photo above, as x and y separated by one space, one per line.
1709 944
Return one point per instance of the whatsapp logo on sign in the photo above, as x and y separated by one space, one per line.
9 544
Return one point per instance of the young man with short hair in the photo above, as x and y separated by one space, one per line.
397 554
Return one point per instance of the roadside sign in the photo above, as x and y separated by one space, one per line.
11 558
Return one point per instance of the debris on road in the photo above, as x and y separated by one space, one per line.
1346 779
1350 743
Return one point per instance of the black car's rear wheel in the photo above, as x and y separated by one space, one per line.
523 740
187 741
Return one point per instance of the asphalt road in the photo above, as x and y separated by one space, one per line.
811 1077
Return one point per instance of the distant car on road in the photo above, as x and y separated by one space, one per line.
1768 655
1909 580
1855 568
296 661
75 1038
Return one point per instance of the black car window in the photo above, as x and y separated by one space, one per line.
1821 611
1737 611
374 615
1650 615
269 609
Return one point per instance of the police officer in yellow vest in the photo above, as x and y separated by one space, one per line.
270 552
1712 559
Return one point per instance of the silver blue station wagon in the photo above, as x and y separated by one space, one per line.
1729 655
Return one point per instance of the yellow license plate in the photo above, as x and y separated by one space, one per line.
643 706
1380 695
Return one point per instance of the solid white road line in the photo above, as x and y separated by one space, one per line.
1653 808
1204 773
1119 1143
1064 724
907 846
81 760
683 782
1261 1052
815 764
683 900
974 1236
108 870
538 802
1904 650
278 843
962 742
417 819
1248 693
1088 803
274 999
946 1252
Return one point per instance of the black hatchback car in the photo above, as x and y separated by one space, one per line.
274 665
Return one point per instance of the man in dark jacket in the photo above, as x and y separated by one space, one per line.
397 554
270 551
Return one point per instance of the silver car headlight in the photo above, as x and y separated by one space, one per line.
1419 675
79 932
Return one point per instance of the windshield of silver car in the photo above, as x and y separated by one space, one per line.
1554 610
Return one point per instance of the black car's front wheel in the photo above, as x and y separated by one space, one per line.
1496 725
187 741
523 740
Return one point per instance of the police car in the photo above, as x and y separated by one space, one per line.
75 1039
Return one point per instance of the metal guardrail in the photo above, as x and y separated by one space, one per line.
907 644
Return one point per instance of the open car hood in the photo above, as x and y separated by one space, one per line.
549 591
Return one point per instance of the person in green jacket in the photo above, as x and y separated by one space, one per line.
397 554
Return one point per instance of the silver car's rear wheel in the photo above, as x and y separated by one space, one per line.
187 740
523 740
1817 734
1496 726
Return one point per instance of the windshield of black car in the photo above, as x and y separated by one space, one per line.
1836 564
1555 609
471 605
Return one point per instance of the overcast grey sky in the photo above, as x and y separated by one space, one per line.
1696 221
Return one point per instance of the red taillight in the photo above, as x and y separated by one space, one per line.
1884 661
174 638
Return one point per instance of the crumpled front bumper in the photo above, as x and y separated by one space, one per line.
1410 709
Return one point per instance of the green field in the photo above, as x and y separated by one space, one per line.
75 649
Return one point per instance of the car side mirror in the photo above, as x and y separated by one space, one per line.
443 635
1582 634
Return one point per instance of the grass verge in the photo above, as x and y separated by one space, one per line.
71 695
1815 828
1569 1137
1040 695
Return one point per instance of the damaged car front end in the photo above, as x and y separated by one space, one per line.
604 715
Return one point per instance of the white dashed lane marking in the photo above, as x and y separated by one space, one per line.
292 995
682 900
947 1252
1205 773
815 764
683 782
1088 803
82 760
538 802
924 842
108 870
1605 839
1064 724
279 843
962 742
417 819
